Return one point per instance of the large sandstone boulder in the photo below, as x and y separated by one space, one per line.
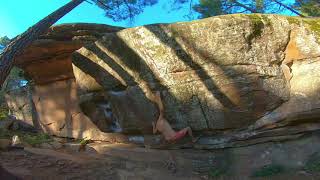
220 74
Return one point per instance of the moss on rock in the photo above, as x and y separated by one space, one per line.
293 20
314 25
257 25
258 22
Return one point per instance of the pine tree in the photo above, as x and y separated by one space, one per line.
308 7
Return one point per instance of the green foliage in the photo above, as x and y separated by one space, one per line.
37 138
257 26
3 112
313 163
208 8
220 167
29 138
216 172
84 141
119 10
308 7
293 20
268 170
259 5
13 80
314 26
4 40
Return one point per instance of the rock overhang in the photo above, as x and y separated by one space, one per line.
48 58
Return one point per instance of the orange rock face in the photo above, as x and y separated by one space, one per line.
48 59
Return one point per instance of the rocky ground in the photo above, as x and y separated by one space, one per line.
118 161
35 163
45 157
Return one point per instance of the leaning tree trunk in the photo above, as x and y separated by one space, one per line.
7 58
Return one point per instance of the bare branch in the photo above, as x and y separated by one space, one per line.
102 4
244 6
289 8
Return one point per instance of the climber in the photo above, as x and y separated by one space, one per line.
163 126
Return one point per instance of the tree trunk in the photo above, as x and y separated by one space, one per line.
7 58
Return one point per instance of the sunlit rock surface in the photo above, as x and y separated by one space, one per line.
216 74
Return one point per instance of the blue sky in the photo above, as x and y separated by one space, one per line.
17 16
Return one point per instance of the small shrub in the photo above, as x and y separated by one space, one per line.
83 141
268 170
216 172
313 164
30 138
37 138
3 112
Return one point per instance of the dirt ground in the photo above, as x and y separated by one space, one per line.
118 162
36 163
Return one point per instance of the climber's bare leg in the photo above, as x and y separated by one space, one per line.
182 133
194 139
